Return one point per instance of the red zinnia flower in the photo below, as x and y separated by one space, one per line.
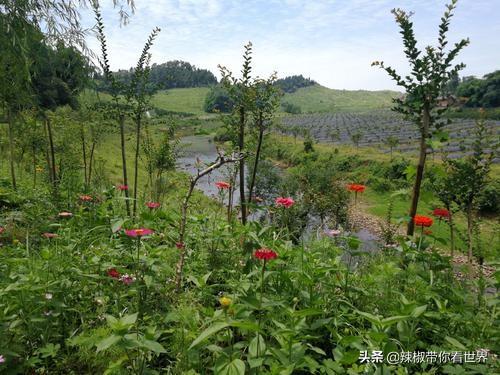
441 213
222 185
112 272
422 221
86 198
265 254
284 202
50 235
358 188
122 187
179 245
138 232
152 205
65 214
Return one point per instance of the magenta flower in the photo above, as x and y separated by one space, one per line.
122 187
2 359
127 279
152 205
140 232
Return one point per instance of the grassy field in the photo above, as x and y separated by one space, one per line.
317 98
188 100
310 99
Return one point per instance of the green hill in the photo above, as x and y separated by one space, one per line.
312 99
317 98
189 100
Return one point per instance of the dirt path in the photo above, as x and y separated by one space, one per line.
361 219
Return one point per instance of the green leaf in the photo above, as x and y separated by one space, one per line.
419 310
116 225
370 317
235 367
213 329
455 343
257 344
393 319
107 342
128 319
154 346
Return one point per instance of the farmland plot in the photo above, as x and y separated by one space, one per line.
376 128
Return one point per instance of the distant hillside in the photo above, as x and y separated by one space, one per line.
320 99
293 83
312 99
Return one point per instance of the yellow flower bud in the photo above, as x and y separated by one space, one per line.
225 302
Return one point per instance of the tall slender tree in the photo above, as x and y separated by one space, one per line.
431 70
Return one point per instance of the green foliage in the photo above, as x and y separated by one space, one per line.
218 100
291 108
483 92
291 84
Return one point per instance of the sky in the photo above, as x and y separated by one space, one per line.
330 41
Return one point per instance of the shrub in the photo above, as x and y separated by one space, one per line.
291 108
218 100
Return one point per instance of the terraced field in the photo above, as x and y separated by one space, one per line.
374 130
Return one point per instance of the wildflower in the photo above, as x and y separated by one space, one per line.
99 301
2 359
122 187
284 202
112 272
2 229
422 221
179 245
65 214
265 254
358 188
441 213
138 232
225 302
127 279
333 232
86 198
48 296
50 235
222 185
47 313
152 205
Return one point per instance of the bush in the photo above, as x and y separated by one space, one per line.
291 108
489 201
218 100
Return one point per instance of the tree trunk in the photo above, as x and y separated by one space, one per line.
469 232
84 152
11 149
241 145
136 166
420 169
257 156
452 232
34 165
124 161
91 161
52 153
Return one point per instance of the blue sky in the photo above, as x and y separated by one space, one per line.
330 41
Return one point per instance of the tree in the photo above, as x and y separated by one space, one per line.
356 138
266 102
218 100
430 72
469 176
242 94
392 142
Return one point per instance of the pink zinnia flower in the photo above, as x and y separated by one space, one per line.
127 279
138 232
333 232
285 202
265 254
65 214
152 205
179 245
222 185
50 235
122 187
441 213
86 198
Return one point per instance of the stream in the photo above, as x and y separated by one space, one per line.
201 148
